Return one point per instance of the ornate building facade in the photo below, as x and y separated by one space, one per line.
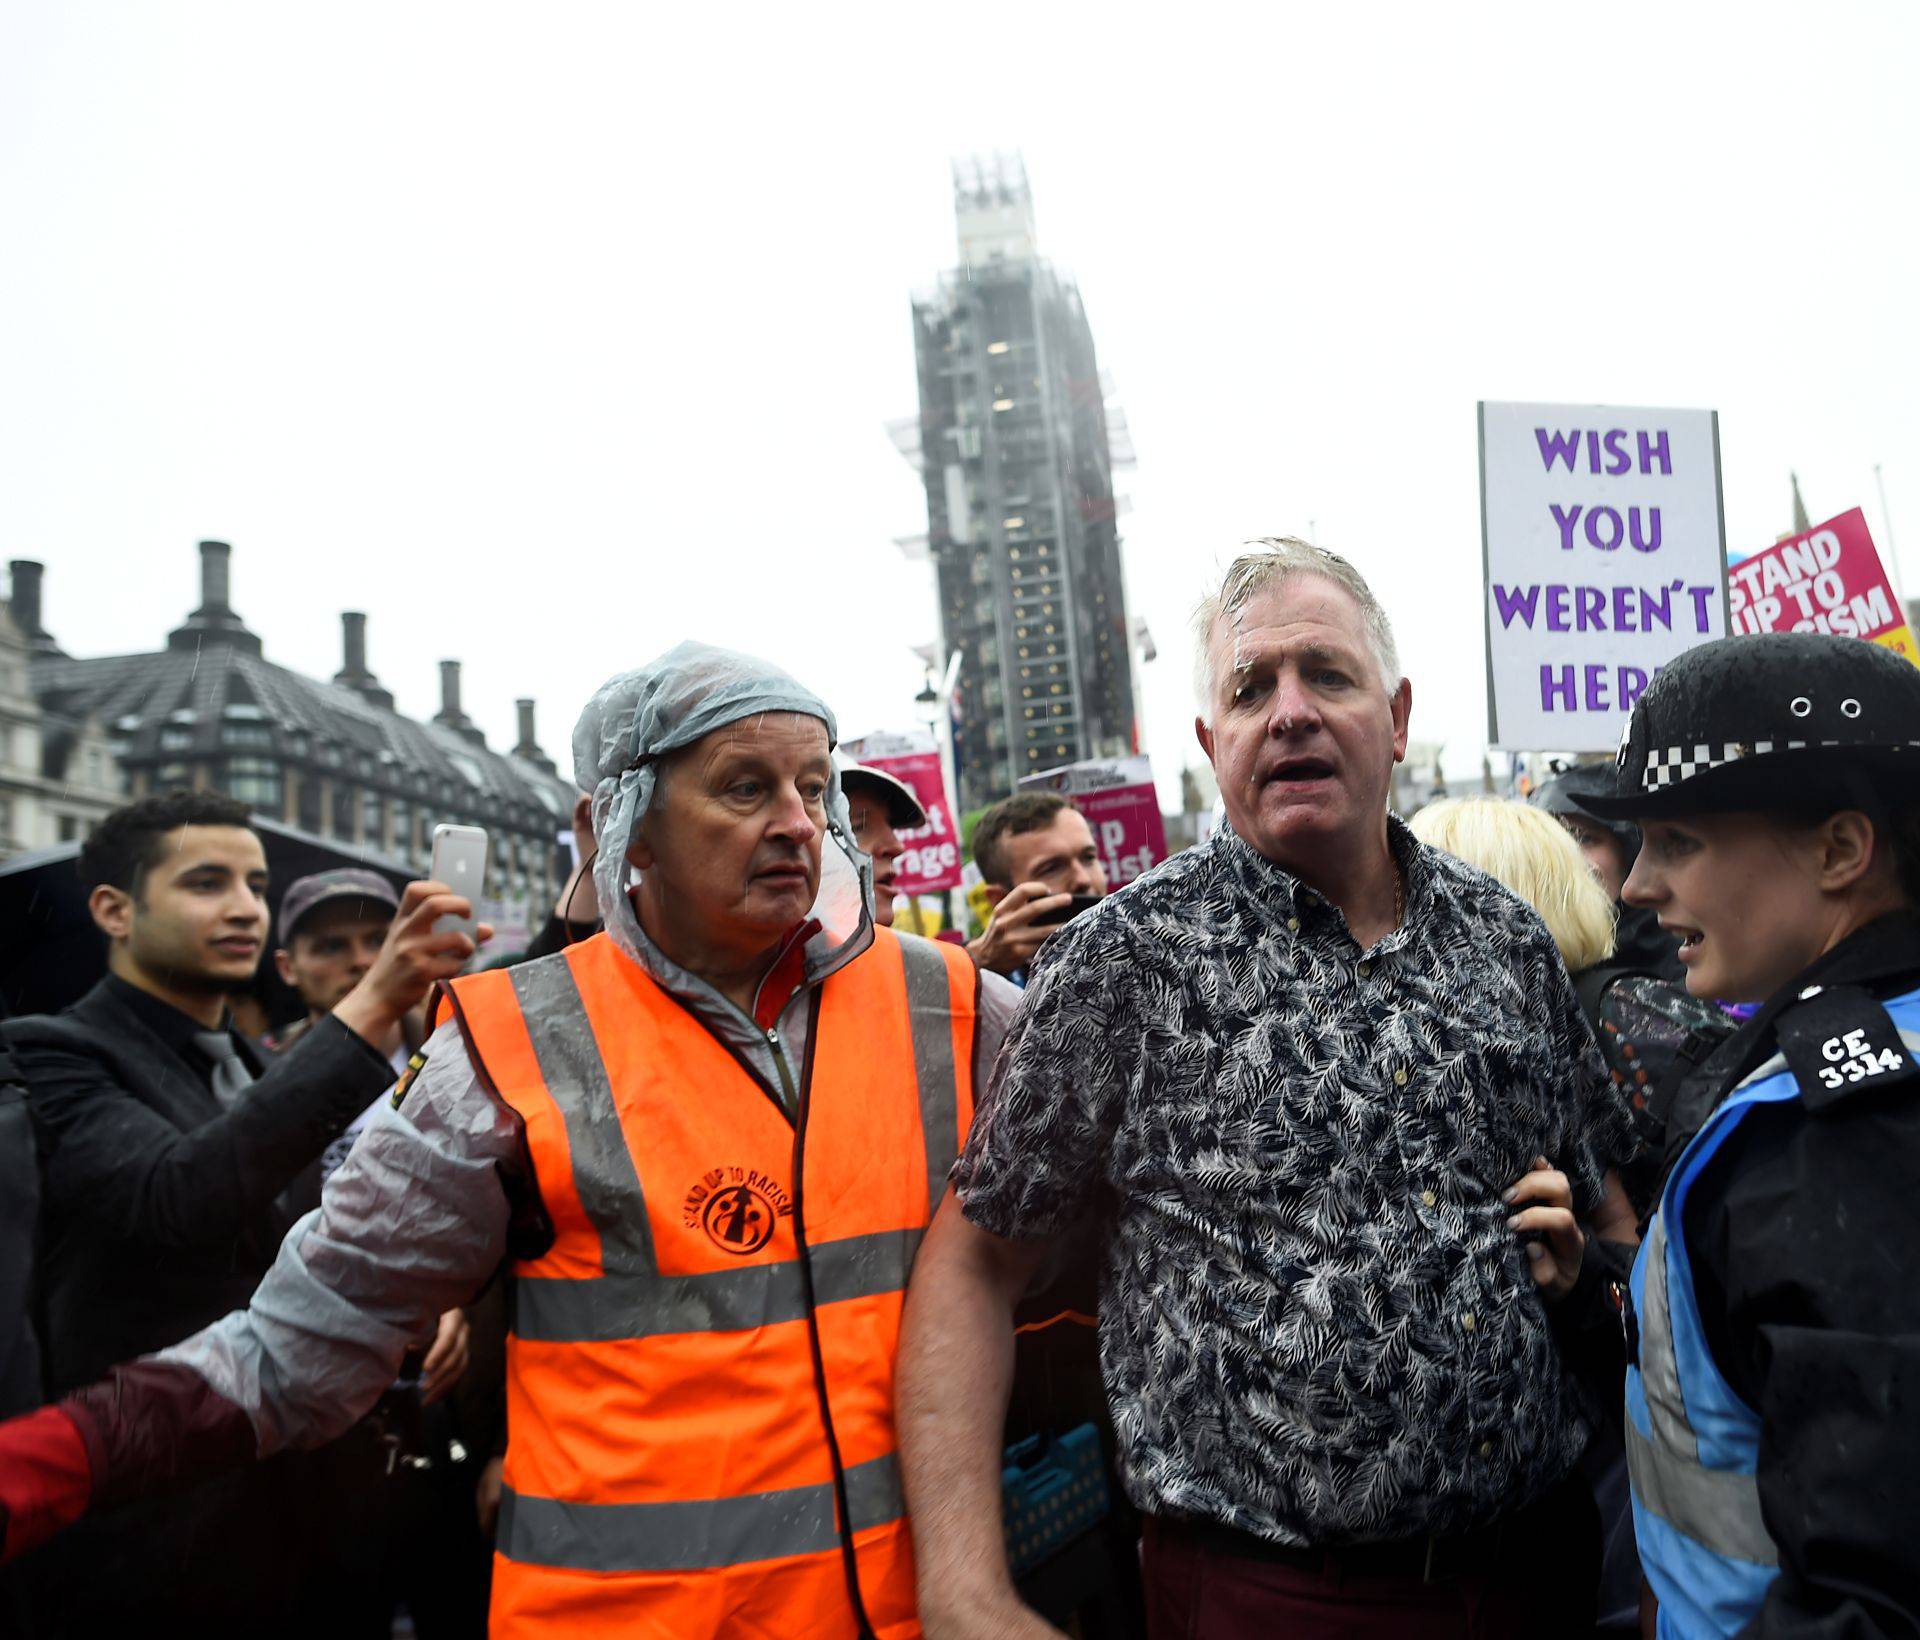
209 710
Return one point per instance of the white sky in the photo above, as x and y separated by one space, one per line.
549 335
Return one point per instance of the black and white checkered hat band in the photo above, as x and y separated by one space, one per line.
1669 765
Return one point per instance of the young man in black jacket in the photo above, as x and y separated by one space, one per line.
175 1164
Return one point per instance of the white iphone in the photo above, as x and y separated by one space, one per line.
460 861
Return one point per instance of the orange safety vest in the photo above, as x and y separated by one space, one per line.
707 1332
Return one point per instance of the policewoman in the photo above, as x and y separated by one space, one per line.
1773 1399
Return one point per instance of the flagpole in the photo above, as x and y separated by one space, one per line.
1893 552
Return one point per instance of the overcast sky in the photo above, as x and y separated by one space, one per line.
549 335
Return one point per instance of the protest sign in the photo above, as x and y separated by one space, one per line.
1604 556
1828 580
1122 807
931 863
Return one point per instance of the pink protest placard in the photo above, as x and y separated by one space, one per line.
1829 579
1118 797
931 863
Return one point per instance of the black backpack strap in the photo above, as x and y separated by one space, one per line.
1590 985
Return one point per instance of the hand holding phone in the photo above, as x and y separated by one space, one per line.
460 862
420 949
1017 929
1067 912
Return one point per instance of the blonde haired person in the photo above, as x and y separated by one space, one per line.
1531 853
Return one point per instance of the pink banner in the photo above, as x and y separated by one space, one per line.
1122 805
931 863
1828 580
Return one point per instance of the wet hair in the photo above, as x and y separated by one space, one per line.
1531 853
1273 560
1011 817
126 845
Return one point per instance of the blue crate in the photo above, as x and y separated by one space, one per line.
1052 1491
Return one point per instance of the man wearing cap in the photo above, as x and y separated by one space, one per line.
332 925
175 1161
704 1143
879 808
332 928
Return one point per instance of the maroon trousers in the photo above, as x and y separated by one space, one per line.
1540 1586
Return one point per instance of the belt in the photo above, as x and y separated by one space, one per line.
1433 1558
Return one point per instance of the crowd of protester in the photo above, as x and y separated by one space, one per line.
1491 1225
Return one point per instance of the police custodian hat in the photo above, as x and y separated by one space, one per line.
1775 721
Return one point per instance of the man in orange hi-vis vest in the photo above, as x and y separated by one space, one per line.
704 1145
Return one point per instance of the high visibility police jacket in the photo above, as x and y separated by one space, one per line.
700 1366
1693 1441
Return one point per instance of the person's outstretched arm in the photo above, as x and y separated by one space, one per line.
122 1166
413 1224
955 1373
1033 1161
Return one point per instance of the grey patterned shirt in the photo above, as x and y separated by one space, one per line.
1315 1324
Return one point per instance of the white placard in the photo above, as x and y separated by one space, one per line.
1604 553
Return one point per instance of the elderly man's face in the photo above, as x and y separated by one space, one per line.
1304 734
729 854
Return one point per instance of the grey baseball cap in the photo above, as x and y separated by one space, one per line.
349 882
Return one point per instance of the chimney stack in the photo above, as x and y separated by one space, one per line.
24 603
216 568
214 622
353 673
450 714
528 751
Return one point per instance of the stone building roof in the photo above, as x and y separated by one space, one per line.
139 698
182 704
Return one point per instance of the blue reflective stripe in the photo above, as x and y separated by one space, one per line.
1700 1594
1692 1443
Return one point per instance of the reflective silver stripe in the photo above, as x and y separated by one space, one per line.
634 1299
930 1017
698 1534
1773 1067
1659 1369
576 1078
604 1308
1717 1508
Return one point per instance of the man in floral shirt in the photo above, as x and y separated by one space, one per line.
1292 1074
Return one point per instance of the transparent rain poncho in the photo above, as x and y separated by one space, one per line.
637 718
